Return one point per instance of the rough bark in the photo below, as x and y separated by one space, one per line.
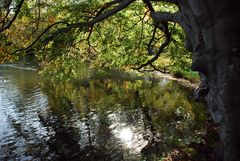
213 35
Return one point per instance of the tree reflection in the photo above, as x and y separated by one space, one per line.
163 115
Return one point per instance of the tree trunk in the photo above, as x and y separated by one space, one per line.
213 35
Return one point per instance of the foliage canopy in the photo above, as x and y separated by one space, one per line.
121 42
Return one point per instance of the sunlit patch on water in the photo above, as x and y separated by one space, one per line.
126 135
101 119
130 136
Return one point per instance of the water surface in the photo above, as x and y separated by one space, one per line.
115 118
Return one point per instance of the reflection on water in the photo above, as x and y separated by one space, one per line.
126 135
98 119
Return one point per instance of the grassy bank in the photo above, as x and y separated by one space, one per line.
188 75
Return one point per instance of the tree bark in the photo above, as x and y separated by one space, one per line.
213 35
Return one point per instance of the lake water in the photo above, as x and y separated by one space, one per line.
111 118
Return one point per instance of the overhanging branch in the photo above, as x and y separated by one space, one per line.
121 5
101 17
169 1
165 16
161 24
161 48
13 18
101 10
38 38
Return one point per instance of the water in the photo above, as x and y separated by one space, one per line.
104 118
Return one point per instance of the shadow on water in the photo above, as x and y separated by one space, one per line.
112 118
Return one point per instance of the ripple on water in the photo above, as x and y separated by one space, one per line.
74 124
21 128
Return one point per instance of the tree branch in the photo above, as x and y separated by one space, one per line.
5 17
38 38
169 1
149 5
162 24
165 16
161 48
121 6
14 17
104 7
